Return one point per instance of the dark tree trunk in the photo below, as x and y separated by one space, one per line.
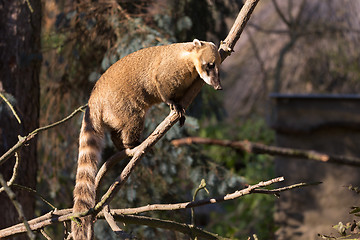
20 59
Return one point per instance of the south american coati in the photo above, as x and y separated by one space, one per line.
120 99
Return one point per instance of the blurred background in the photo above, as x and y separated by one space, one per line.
294 50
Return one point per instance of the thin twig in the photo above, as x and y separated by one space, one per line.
15 171
11 107
17 206
35 193
287 188
76 111
29 6
112 223
37 223
23 140
170 225
108 164
42 231
201 186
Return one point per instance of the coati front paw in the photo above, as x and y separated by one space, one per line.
179 110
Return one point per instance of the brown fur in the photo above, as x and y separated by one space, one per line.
122 96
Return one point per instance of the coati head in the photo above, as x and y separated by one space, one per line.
207 62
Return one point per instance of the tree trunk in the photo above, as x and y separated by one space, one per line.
20 59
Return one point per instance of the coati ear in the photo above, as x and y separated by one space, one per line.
196 43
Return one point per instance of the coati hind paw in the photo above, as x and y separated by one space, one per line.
182 120
131 145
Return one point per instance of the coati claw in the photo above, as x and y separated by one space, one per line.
179 110
182 120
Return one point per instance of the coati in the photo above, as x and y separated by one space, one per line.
122 96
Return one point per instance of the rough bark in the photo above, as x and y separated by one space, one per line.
20 58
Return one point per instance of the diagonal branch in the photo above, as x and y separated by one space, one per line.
111 221
137 153
11 108
243 17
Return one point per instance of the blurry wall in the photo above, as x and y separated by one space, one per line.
326 123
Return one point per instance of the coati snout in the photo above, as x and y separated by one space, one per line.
209 61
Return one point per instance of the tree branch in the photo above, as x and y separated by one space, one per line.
231 196
15 171
58 216
243 17
107 165
259 148
17 206
11 107
125 215
66 214
111 221
23 140
170 225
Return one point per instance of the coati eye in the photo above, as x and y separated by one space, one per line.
210 65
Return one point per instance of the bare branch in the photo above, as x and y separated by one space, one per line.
259 148
111 221
108 164
201 186
176 206
123 215
170 225
37 223
243 17
42 231
11 107
35 193
283 189
23 140
15 171
18 207
281 15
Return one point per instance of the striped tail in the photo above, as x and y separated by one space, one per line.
84 192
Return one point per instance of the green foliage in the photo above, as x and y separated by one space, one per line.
254 213
356 189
